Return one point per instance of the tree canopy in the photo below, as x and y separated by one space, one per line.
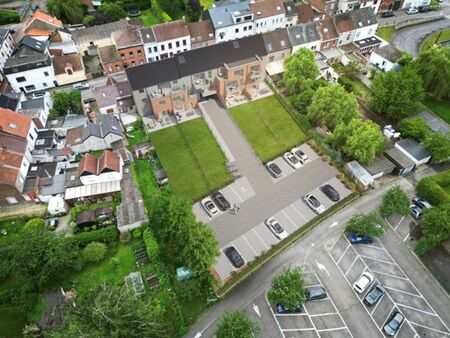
415 128
332 105
397 94
69 11
368 225
66 102
433 66
300 71
359 139
439 146
395 200
236 325
435 228
94 252
288 288
112 11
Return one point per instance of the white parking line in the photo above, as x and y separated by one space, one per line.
257 235
290 220
290 314
312 286
298 212
251 247
334 329
416 309
405 292
429 328
312 322
401 220
238 196
388 274
345 251
407 236
372 247
293 330
376 259
351 265
273 314
324 314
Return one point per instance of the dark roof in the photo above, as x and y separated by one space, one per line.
363 17
372 41
303 33
195 61
381 165
104 125
147 35
31 43
86 218
289 7
389 53
398 158
105 211
9 100
29 54
305 13
108 54
36 103
43 170
200 31
276 40
414 148
3 34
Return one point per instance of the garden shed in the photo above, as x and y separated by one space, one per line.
380 167
86 219
359 173
106 212
403 164
414 151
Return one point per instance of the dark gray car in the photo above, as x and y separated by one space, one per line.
314 293
375 295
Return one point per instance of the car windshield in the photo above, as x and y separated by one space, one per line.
275 168
210 205
314 201
277 227
293 159
299 153
394 324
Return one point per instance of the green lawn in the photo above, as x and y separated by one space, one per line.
386 32
440 108
206 4
191 158
436 38
12 321
149 18
268 127
138 135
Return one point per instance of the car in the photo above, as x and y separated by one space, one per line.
282 309
415 211
363 282
412 10
235 258
330 192
81 85
274 169
314 204
375 295
292 160
359 239
209 206
421 203
315 293
393 325
300 154
220 201
387 14
276 228
424 9
37 94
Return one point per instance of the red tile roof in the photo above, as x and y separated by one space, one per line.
45 17
14 123
95 166
170 30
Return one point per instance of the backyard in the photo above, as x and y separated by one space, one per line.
268 127
386 32
436 38
191 158
149 18
440 108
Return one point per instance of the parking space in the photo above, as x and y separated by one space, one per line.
401 294
319 318
402 225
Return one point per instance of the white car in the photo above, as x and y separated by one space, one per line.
412 10
276 228
363 282
292 160
209 206
312 202
81 85
299 154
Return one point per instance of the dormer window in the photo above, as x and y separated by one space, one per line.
12 125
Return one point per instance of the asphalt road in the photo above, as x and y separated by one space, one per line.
312 253
409 39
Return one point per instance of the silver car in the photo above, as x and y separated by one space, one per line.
314 204
394 324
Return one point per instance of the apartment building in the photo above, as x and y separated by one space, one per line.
326 7
229 70
268 15
130 47
163 41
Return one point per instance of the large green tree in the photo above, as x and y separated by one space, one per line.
359 139
439 146
368 225
69 11
288 288
236 325
112 11
397 94
436 228
300 71
433 66
332 105
66 102
395 200
415 128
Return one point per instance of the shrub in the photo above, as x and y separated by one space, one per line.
137 233
152 245
432 192
415 128
9 17
34 223
395 200
347 84
94 252
106 235
369 225
125 237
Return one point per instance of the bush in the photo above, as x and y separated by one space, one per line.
152 245
106 235
9 17
368 225
347 84
94 252
429 189
415 128
34 223
137 233
395 200
125 237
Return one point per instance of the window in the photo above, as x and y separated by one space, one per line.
45 85
357 35
239 73
110 68
370 32
141 91
245 28
46 73
155 49
69 71
139 53
170 45
122 55
28 88
20 79
117 67
236 30
162 102
238 19
184 42
132 63
131 54
163 47
177 44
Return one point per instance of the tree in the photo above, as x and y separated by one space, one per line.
35 223
368 225
351 70
331 105
69 11
112 11
439 146
435 228
115 312
193 10
88 20
433 66
405 59
415 128
288 288
397 94
395 200
433 192
236 325
359 139
300 71
40 255
94 252
66 102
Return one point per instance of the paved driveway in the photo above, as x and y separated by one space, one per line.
434 122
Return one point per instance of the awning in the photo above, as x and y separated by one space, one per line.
275 67
92 190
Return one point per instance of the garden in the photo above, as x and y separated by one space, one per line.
268 127
192 159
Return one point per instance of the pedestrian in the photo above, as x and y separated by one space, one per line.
238 208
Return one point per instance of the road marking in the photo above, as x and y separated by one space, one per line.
256 309
298 212
251 247
345 251
312 286
334 329
405 292
351 265
429 328
401 220
199 334
324 314
312 322
293 330
290 314
376 259
375 307
372 247
407 236
388 274
234 191
290 220
416 309
322 267
333 224
257 235
273 314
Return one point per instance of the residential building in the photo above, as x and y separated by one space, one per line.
385 58
68 69
350 5
202 34
230 69
278 47
30 67
291 14
328 34
393 5
114 97
304 35
326 7
45 180
305 13
345 28
231 19
11 101
61 43
110 59
40 25
129 46
268 15
17 136
365 22
163 41
37 108
7 46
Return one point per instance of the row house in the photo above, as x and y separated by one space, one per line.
268 15
278 47
7 46
291 13
165 40
328 33
326 7
39 26
393 5
228 70
130 47
114 97
305 13
18 134
201 33
305 35
350 5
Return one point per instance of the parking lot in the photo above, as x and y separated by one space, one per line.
402 295
402 225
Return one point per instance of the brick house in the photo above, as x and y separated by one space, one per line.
130 47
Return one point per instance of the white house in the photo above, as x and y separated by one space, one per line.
365 23
6 46
106 168
349 5
268 15
30 67
385 58
415 3
164 40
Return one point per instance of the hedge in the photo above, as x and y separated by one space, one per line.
430 190
152 245
106 235
9 17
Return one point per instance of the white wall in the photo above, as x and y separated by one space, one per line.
365 32
152 55
346 38
105 177
35 77
269 23
229 32
345 5
415 3
380 62
6 50
314 46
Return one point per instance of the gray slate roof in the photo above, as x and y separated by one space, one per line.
3 33
414 148
105 125
363 17
9 100
303 33
389 52
33 103
220 15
